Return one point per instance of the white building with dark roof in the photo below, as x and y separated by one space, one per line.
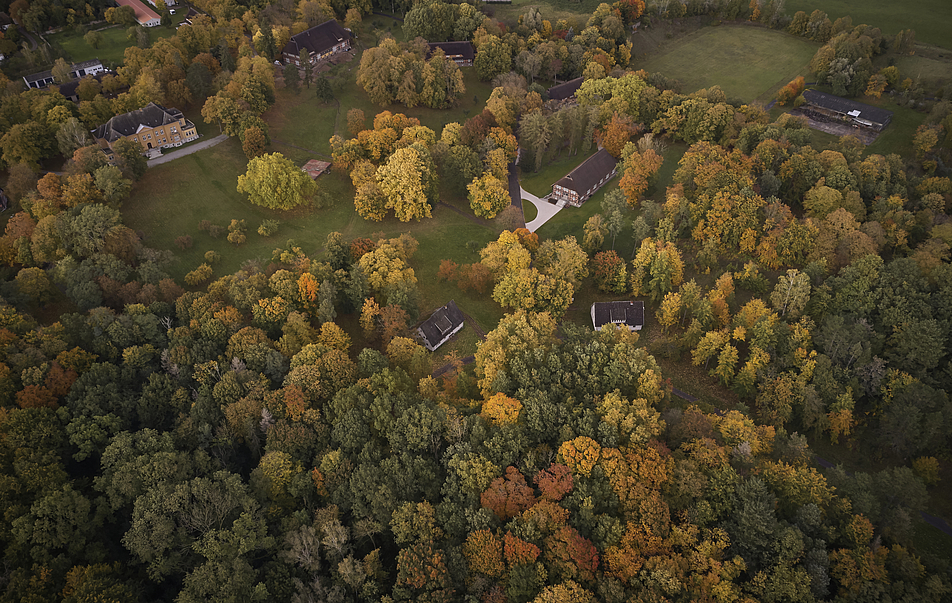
847 110
321 41
628 313
582 182
76 71
441 325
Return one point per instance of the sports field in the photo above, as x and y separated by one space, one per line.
931 19
749 63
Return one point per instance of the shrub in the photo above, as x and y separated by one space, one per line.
184 242
212 257
237 237
204 225
215 231
268 228
927 469
199 275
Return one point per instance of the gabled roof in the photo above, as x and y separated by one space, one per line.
589 173
75 67
566 89
441 325
452 49
319 39
628 313
849 107
127 124
144 14
315 167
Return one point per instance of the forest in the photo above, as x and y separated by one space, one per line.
280 434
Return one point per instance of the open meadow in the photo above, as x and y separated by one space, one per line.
114 41
748 62
931 19
173 198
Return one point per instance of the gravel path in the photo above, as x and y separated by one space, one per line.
198 146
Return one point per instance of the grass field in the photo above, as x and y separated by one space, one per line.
173 198
113 45
749 63
931 19
529 211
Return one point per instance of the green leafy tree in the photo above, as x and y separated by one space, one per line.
275 182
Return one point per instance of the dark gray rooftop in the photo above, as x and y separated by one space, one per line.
846 106
589 172
151 115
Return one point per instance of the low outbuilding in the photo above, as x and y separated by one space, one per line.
628 313
845 109
441 325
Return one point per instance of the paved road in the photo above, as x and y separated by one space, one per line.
198 146
546 210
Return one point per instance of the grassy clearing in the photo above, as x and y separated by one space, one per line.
576 13
933 71
747 62
897 137
173 198
929 18
114 42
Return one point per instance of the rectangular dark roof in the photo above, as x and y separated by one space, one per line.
589 173
845 106
565 89
630 313
441 323
318 40
44 75
151 115
453 49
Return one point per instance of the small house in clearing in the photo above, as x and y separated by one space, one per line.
582 182
321 41
441 325
461 53
565 89
844 109
628 313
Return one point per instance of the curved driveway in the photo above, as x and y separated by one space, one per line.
545 210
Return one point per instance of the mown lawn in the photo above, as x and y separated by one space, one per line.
930 19
897 136
114 42
747 62
172 199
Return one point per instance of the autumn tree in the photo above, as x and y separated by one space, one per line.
488 196
276 183
408 182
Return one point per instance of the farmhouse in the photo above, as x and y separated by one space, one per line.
144 15
582 182
322 41
565 90
837 107
152 126
441 325
461 53
628 313
76 71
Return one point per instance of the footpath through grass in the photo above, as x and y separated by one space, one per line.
746 61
